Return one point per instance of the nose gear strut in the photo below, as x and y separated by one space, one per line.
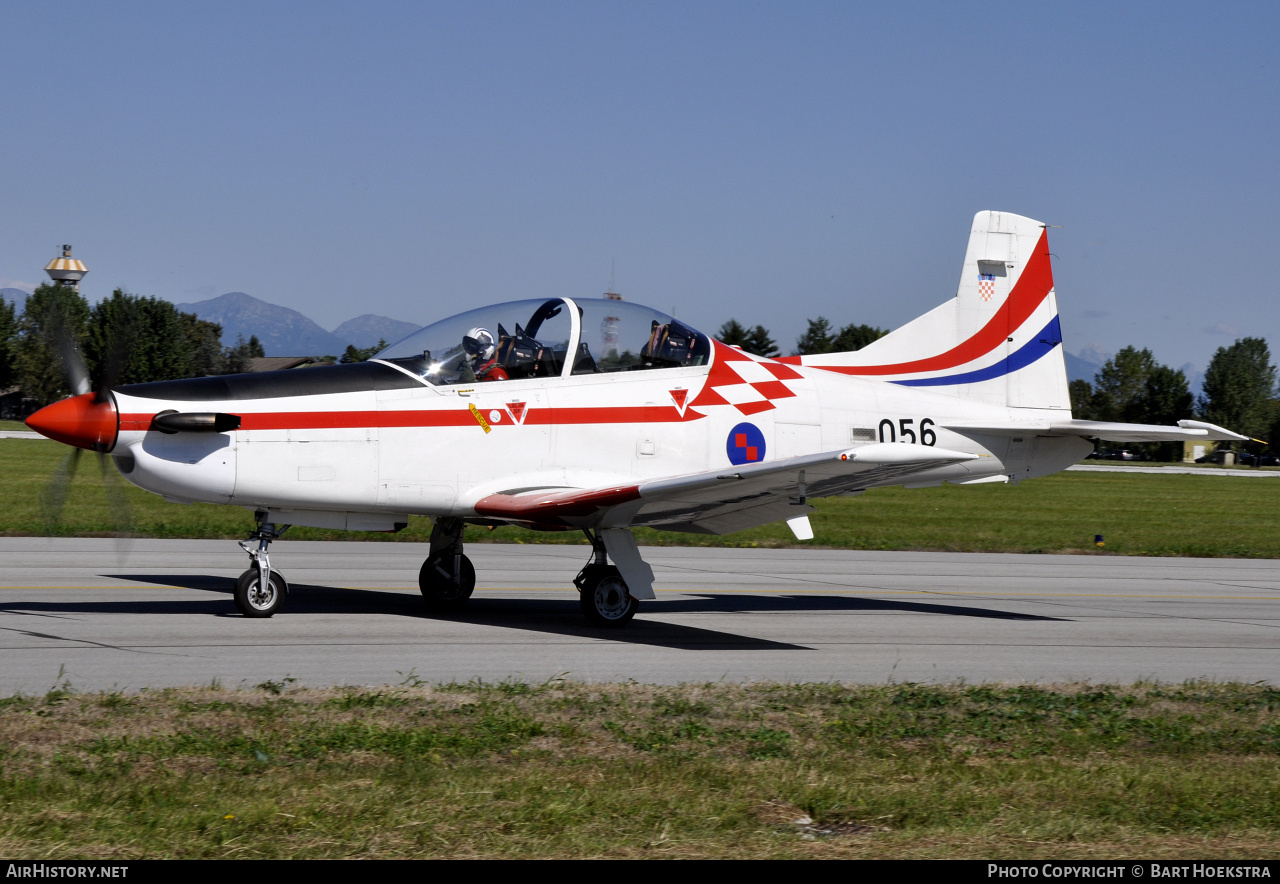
260 591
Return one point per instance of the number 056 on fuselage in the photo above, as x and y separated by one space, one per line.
600 415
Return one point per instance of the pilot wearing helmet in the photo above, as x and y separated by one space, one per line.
481 352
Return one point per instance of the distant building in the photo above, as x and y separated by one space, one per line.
14 406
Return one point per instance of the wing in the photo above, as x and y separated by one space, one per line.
1188 431
721 501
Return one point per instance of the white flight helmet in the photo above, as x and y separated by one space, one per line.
479 342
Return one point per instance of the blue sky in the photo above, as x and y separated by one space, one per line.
769 162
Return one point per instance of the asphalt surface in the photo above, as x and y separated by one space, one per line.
1174 470
103 615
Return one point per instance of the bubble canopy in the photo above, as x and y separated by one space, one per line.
551 338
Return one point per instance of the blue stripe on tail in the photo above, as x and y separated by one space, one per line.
1050 336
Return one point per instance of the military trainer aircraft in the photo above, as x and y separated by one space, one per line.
600 415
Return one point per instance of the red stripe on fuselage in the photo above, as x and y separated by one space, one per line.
1029 292
451 417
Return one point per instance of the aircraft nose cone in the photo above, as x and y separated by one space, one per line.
79 421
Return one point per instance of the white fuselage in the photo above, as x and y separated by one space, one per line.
437 450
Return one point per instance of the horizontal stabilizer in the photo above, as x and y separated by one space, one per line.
1185 431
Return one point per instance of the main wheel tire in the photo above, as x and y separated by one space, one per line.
252 601
438 586
608 603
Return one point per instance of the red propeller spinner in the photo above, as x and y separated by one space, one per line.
83 421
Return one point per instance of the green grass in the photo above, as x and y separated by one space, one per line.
1138 514
11 426
574 770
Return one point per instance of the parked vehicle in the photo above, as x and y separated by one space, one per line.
1124 454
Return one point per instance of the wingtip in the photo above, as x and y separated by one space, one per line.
1220 434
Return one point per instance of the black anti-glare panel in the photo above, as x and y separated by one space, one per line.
272 384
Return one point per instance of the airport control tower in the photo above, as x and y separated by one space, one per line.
66 270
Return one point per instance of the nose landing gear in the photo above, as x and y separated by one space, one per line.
260 591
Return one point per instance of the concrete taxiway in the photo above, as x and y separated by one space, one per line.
112 615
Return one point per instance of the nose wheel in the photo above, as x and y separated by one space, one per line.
254 598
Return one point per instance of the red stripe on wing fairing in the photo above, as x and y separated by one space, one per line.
554 506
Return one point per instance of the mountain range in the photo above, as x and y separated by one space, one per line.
17 297
1080 369
285 332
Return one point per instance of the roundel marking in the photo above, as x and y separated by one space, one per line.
745 444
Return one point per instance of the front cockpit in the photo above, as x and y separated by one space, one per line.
551 338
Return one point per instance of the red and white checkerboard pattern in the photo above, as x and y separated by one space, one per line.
986 288
748 383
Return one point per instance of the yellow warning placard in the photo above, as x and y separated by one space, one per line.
475 413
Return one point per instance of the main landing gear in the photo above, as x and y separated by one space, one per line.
603 594
447 578
260 591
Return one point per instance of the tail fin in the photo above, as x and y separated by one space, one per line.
997 341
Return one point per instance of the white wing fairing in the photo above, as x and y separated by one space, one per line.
602 415
725 500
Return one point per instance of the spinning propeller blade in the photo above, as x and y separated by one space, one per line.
88 422
74 372
54 495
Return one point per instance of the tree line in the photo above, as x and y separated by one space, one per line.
1240 393
820 337
123 339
